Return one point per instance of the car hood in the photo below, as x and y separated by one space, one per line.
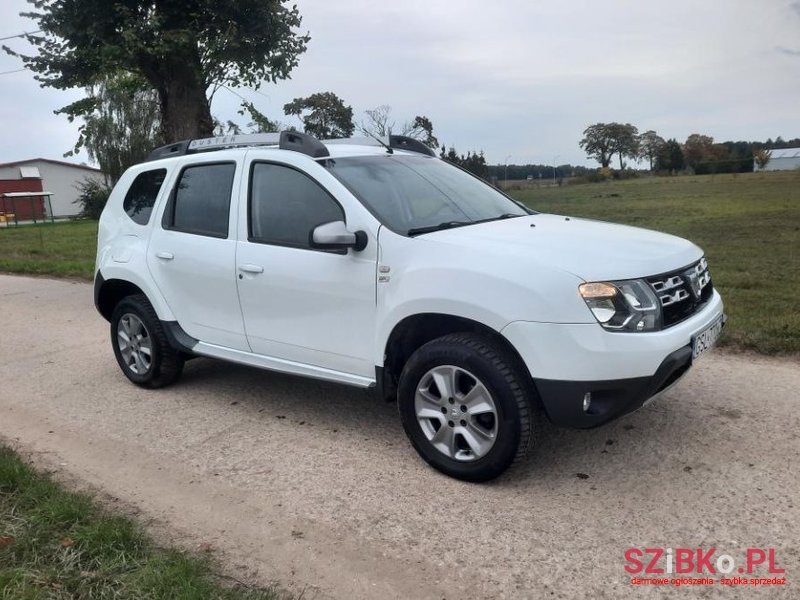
591 250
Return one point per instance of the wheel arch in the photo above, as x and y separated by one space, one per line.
110 288
414 331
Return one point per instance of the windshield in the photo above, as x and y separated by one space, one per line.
417 194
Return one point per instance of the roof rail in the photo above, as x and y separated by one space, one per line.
403 142
285 140
396 142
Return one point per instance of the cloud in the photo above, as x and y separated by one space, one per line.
788 51
795 6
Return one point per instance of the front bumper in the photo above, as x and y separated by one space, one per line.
621 370
563 400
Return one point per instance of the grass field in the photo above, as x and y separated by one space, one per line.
748 225
56 544
64 249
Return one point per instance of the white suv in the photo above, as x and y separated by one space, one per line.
375 264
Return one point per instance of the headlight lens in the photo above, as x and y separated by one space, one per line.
623 305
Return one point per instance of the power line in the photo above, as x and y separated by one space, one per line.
23 34
14 71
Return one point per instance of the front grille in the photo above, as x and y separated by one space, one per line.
682 293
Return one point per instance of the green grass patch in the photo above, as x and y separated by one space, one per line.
65 249
57 544
748 225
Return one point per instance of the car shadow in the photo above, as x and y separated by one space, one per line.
663 438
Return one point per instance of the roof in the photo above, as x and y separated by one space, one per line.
63 163
784 153
26 194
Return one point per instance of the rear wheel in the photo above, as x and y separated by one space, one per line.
140 345
464 404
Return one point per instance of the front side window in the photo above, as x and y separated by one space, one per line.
201 201
142 194
285 205
410 194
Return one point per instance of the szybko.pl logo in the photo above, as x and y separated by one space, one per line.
698 566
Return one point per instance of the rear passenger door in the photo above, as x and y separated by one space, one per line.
192 253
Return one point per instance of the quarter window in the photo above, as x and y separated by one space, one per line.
285 205
201 202
142 194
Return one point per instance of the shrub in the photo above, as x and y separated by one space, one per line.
92 199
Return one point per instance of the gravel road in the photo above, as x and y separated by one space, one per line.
314 485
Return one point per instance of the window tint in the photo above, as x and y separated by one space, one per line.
285 205
201 202
141 196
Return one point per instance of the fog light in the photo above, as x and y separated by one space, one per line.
587 401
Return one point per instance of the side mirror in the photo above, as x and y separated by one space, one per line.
335 236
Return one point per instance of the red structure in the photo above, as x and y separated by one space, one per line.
25 209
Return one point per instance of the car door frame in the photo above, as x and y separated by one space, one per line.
355 215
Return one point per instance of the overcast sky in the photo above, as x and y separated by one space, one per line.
520 78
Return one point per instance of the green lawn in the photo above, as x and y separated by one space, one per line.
748 225
56 544
65 249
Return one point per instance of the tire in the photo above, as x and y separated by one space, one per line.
485 424
135 319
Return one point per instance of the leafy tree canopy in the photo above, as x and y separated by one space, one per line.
122 127
602 141
650 144
324 115
181 49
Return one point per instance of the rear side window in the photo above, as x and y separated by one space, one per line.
142 194
285 205
201 201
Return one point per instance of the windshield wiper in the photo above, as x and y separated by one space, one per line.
499 217
452 224
439 227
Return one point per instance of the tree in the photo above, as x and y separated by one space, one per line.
650 145
379 123
421 129
697 149
670 158
762 156
260 123
602 141
327 116
474 162
597 143
181 49
122 127
625 141
92 198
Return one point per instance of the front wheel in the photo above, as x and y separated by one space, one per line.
464 403
140 345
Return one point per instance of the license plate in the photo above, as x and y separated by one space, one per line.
706 339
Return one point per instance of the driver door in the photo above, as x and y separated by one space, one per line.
301 304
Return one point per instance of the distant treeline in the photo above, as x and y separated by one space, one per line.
537 172
698 153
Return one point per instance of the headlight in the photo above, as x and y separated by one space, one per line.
623 305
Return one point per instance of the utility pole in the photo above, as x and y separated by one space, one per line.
555 158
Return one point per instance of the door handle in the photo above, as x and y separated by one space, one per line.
165 255
249 268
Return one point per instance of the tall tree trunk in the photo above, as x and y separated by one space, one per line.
620 162
185 112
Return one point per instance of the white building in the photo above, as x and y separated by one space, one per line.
783 159
59 177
